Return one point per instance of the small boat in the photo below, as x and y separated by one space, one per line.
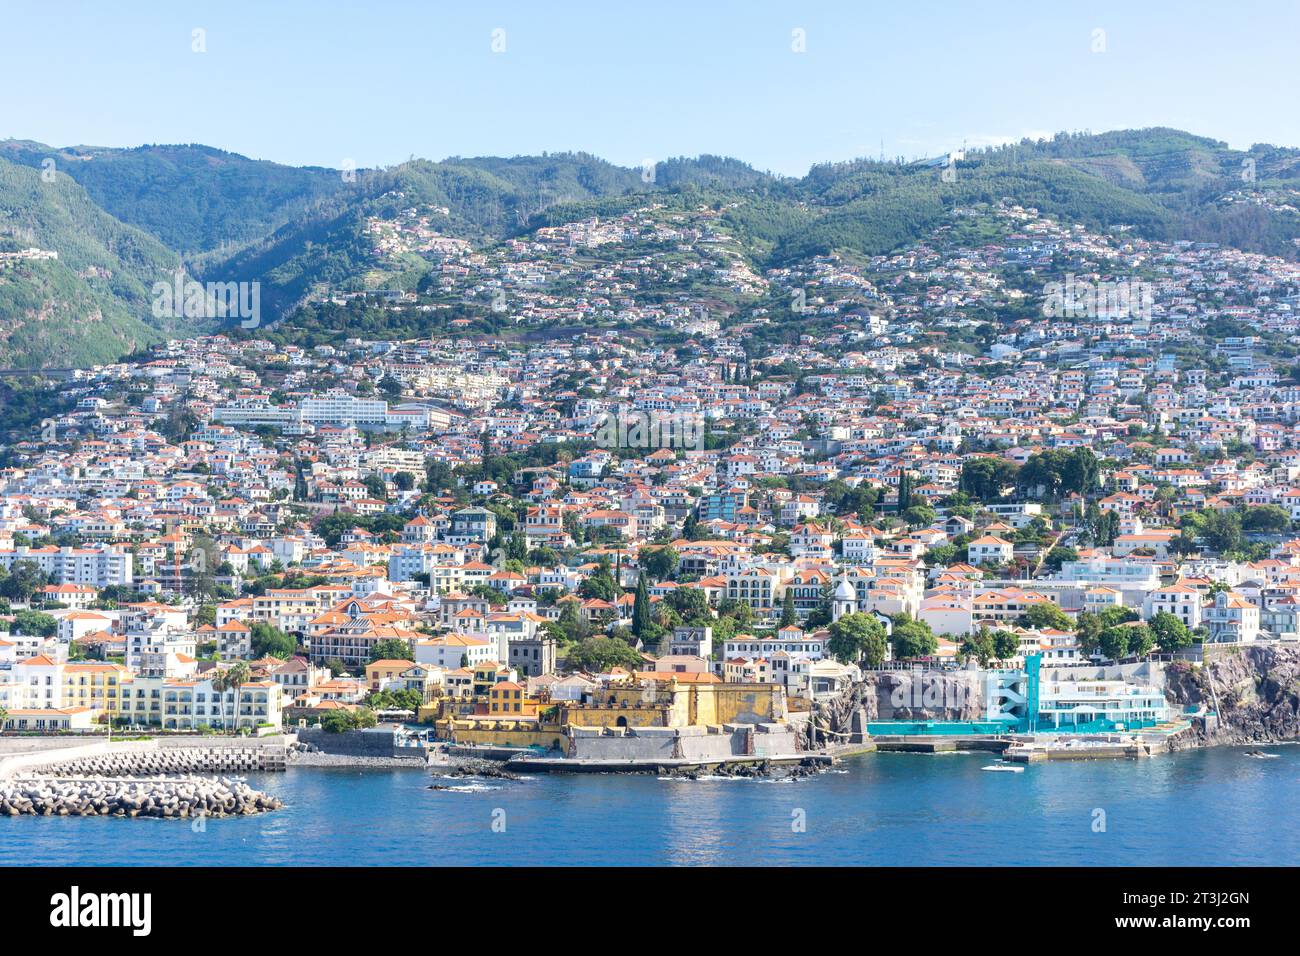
1260 755
1003 768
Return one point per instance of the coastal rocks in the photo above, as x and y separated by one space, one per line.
928 695
163 797
473 767
751 771
858 704
1253 690
463 767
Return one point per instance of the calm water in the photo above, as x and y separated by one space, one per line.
1205 807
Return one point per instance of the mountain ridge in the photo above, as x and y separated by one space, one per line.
299 231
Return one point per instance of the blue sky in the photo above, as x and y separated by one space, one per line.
329 81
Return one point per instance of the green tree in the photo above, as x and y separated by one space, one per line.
1114 642
920 516
341 721
267 639
904 491
855 638
1059 555
1046 615
24 579
598 654
1221 530
1266 518
391 649
659 563
641 609
1169 633
1057 471
377 487
690 603
1140 640
1087 633
979 646
236 677
986 477
1005 645
35 624
911 638
789 617
403 699
600 583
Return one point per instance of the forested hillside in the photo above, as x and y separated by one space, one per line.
93 302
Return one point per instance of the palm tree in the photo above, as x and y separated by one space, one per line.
237 677
221 684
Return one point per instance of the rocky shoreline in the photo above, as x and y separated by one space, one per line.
1241 695
162 797
807 767
1254 690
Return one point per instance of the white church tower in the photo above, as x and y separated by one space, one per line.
844 601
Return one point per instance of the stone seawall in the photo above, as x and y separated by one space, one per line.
174 797
374 742
171 760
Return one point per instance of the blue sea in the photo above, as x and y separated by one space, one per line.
1205 807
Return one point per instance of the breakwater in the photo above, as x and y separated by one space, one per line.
179 797
137 779
168 761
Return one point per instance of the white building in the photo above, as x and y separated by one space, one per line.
452 651
97 566
1231 619
1180 600
1068 697
989 549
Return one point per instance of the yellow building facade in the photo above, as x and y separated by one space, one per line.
97 687
671 701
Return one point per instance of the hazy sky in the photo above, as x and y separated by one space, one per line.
328 81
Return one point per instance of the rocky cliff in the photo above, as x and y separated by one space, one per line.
1254 690
902 695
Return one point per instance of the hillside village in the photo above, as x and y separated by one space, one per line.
1016 439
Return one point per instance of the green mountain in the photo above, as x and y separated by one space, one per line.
90 304
193 199
1164 184
122 218
479 200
